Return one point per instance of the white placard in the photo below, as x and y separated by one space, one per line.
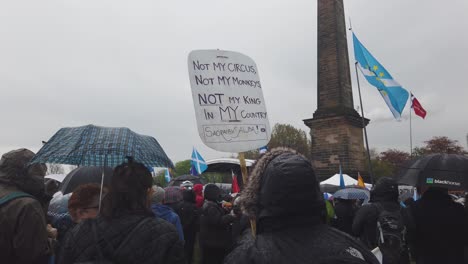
228 99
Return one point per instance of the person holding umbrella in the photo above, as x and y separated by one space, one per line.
439 229
126 231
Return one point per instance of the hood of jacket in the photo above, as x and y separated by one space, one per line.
212 193
15 170
162 210
198 189
283 185
385 190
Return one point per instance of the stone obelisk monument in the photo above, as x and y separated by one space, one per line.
336 127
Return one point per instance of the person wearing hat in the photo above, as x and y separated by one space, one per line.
215 227
23 227
165 212
283 197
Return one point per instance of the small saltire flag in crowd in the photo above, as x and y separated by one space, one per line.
198 162
392 92
235 186
417 107
342 183
263 150
193 170
167 175
360 181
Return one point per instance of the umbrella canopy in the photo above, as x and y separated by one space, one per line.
179 180
439 170
57 177
352 194
348 180
84 175
101 146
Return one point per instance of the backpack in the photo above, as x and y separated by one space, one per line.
390 234
12 196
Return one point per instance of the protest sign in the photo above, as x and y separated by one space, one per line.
228 99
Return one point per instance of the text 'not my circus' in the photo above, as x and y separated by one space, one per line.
225 80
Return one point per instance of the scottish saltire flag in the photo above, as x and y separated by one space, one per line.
263 150
198 162
342 183
167 175
193 170
394 95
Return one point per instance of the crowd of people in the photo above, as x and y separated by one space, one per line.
280 216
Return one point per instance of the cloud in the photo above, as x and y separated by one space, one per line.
113 63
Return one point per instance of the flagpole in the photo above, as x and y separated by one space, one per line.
243 165
364 126
411 126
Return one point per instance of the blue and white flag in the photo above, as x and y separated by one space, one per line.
392 92
342 183
263 150
198 162
167 175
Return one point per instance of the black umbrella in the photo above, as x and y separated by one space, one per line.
179 180
439 170
84 175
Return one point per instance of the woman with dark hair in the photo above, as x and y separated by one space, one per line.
84 202
126 231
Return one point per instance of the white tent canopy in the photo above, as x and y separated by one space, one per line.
348 180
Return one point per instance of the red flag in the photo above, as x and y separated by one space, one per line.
235 186
417 107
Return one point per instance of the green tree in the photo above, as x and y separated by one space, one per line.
214 177
284 135
381 169
443 145
160 179
395 157
388 163
181 168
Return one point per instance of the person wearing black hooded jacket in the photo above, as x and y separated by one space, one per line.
384 197
215 227
23 232
439 230
284 197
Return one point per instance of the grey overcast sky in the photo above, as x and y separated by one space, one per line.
124 63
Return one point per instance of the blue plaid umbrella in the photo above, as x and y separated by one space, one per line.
352 194
101 146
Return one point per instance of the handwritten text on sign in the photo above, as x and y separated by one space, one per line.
228 99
